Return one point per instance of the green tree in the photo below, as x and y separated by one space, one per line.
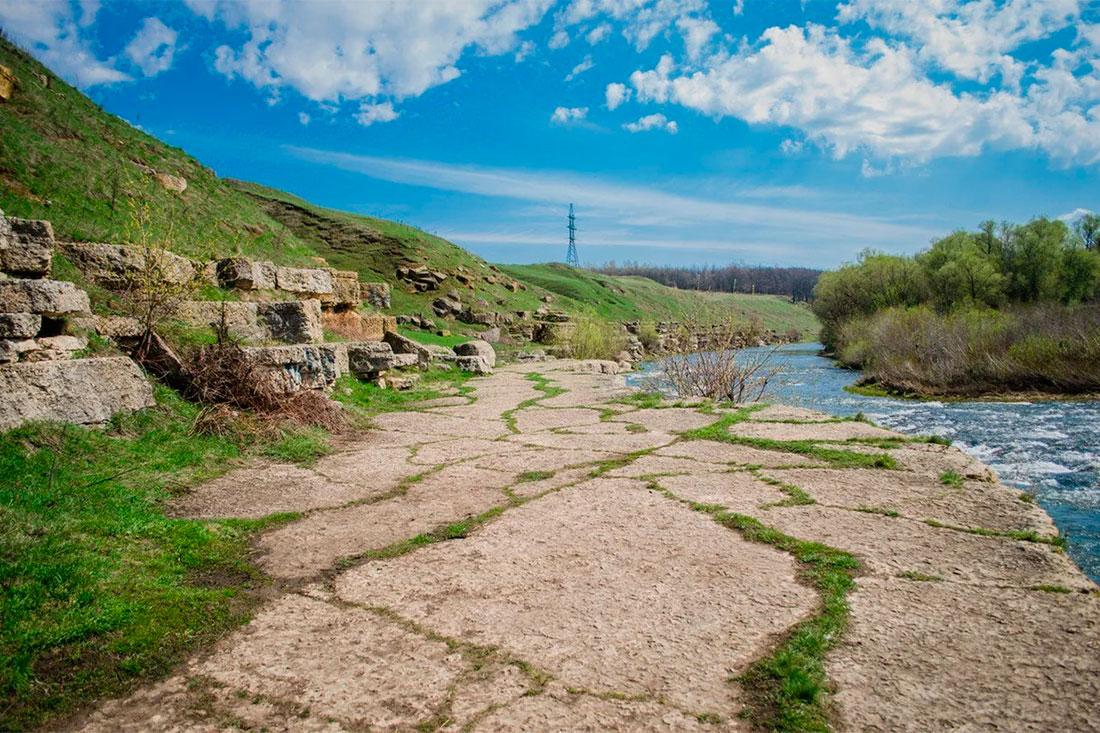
1088 229
959 269
1032 260
1080 276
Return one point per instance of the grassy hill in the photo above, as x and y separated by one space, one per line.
65 159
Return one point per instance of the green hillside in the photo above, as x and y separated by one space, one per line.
64 159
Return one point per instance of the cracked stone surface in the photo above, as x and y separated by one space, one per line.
576 588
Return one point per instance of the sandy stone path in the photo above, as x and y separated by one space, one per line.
544 562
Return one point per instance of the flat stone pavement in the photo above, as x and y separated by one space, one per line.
561 579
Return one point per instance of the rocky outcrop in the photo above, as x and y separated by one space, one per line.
26 247
293 368
476 356
7 83
115 266
295 321
292 321
447 306
178 184
420 278
52 298
376 294
356 326
346 291
308 282
82 391
370 359
243 274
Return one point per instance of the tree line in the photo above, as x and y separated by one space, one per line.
796 283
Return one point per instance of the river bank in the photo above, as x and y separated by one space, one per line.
548 551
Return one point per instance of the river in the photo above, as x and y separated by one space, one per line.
1051 449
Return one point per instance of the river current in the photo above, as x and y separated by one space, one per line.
1051 449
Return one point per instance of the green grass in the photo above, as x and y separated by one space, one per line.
919 577
367 398
528 476
951 478
641 400
542 384
302 446
1023 535
835 457
787 690
98 588
425 337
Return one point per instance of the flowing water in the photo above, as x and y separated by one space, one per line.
1049 449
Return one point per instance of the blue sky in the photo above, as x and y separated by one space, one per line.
686 132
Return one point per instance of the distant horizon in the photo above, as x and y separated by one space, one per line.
786 133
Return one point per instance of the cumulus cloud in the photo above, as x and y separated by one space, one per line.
560 39
569 115
697 33
877 98
597 34
641 20
348 50
580 68
370 113
791 147
525 49
617 94
655 121
57 34
153 47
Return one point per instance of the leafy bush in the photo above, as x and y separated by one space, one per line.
593 339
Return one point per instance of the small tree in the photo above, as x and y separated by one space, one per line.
722 372
1088 229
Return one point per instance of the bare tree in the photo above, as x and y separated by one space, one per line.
721 372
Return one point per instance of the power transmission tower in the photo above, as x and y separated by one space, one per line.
571 258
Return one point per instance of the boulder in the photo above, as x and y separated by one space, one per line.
51 298
356 326
17 350
491 335
298 367
293 321
338 353
117 327
172 183
447 306
7 83
115 266
478 348
481 318
19 325
302 280
404 346
474 364
404 361
377 294
346 292
239 319
26 247
63 343
245 274
368 359
82 391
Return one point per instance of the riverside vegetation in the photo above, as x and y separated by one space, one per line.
1005 309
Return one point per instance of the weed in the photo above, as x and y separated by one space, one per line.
528 476
1028 535
952 478
920 577
878 510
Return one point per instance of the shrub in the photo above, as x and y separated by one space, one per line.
647 334
593 339
721 372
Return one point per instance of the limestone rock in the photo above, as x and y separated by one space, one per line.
26 247
346 292
17 350
245 274
447 306
356 326
240 319
63 343
82 391
294 321
7 83
475 364
115 265
293 368
491 335
338 354
402 346
479 348
377 294
51 298
172 183
116 327
19 325
302 280
404 361
367 359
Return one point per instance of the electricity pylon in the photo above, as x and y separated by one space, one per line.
571 258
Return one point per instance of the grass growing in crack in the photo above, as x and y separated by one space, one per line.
1051 588
951 478
919 577
612 464
443 533
786 690
303 447
369 399
542 384
877 510
633 427
99 589
835 457
527 476
1023 535
642 400
797 497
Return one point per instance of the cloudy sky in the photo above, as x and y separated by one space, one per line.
685 131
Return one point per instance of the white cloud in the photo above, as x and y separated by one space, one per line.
349 50
697 33
153 47
569 115
617 94
1072 216
56 33
303 118
369 113
641 20
560 39
653 122
969 39
876 98
598 34
525 49
791 147
580 68
638 205
739 7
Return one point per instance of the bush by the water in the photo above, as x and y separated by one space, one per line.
594 339
1049 348
1003 308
